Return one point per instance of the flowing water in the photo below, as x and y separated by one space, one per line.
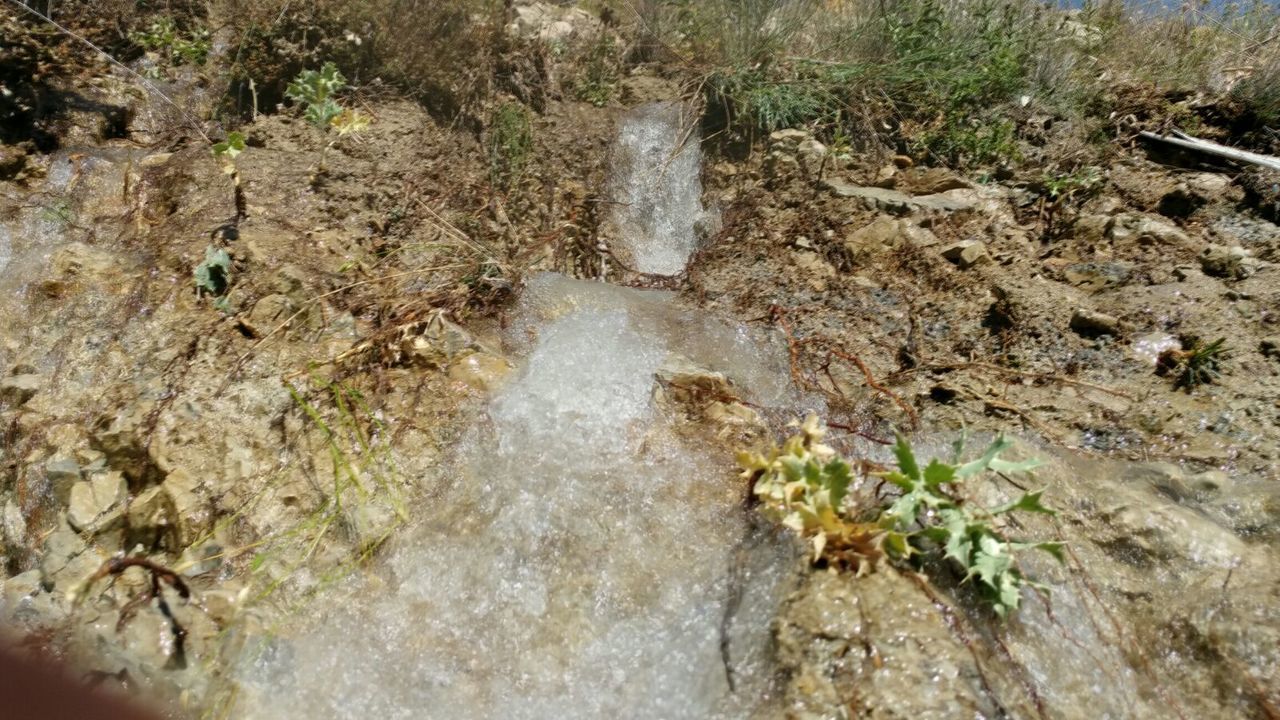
656 189
586 559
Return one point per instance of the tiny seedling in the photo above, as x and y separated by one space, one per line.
230 148
163 38
1195 364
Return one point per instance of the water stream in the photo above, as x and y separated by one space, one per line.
584 562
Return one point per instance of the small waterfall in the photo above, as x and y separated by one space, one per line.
593 557
656 189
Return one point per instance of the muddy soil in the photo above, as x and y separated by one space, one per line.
265 442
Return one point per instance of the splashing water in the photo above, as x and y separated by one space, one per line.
657 189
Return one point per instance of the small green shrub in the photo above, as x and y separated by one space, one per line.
314 91
509 144
804 485
230 148
1197 363
164 38
599 80
213 276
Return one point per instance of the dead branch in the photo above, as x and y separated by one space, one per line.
1183 140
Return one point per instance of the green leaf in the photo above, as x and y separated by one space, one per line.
838 478
1005 466
991 561
902 481
214 273
938 474
898 545
970 469
231 147
1056 549
906 458
1029 502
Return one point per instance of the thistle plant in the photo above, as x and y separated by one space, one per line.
314 90
804 485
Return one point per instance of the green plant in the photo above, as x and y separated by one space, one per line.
599 79
214 274
805 486
230 148
928 516
314 90
509 144
164 37
1196 363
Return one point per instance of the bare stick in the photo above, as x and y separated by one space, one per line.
1184 140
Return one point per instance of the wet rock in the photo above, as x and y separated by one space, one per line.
481 371
13 527
62 472
967 253
152 520
191 512
438 344
1229 263
18 389
1090 323
65 557
123 438
97 504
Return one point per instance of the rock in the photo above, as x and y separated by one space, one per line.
814 269
268 313
13 161
191 512
481 371
886 177
811 155
788 140
62 472
1146 230
17 590
16 390
1229 263
152 520
967 253
928 181
124 439
1091 228
1097 276
438 344
1270 348
1094 324
13 527
551 23
881 234
98 504
873 198
60 550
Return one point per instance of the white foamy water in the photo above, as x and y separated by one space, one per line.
656 189
582 565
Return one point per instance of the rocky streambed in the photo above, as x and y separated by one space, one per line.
439 455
